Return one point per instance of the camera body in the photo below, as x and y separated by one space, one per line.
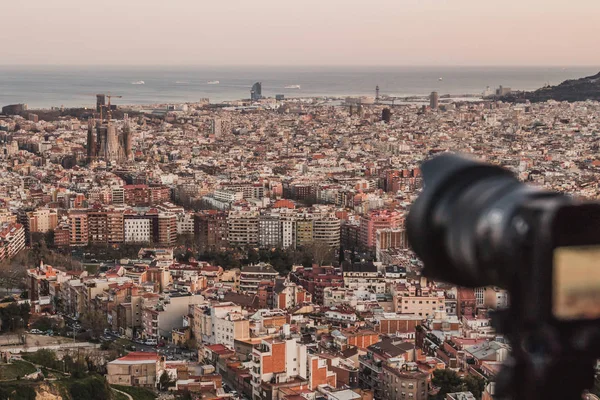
475 224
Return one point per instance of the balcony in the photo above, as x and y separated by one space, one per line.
259 349
370 363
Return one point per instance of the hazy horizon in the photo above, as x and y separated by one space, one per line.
306 66
389 33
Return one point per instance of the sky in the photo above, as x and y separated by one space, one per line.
302 32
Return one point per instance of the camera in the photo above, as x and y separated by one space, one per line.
475 224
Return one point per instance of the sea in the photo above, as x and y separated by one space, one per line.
55 86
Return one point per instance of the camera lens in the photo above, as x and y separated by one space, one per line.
459 226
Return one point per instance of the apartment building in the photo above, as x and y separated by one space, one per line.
167 229
243 228
137 229
376 220
283 364
420 300
78 221
269 231
42 220
327 230
304 231
210 228
12 240
252 275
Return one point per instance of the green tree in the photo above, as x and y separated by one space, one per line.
14 317
253 256
92 388
448 381
475 385
165 381
45 358
44 323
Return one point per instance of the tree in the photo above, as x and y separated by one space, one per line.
253 256
14 316
44 323
165 381
322 253
448 381
91 388
475 385
45 358
94 321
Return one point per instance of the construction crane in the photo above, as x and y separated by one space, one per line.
107 106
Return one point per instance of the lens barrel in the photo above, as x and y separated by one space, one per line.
464 221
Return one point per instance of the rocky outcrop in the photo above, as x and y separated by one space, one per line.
45 391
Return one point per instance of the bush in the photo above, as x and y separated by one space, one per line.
17 391
92 388
138 393
45 358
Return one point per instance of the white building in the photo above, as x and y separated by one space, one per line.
137 230
288 231
228 324
185 224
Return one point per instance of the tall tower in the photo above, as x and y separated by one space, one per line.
256 91
377 93
91 141
100 101
386 115
127 139
101 131
434 100
112 143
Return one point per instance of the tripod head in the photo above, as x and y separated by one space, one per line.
475 224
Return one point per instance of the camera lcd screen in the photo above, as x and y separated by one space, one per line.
576 283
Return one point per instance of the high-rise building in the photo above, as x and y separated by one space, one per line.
375 220
42 220
78 221
242 228
327 230
126 139
269 231
167 229
100 102
91 140
137 228
12 240
386 115
112 143
97 227
434 100
216 126
256 91
114 226
210 229
304 231
252 275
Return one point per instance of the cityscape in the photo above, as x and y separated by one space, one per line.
256 248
